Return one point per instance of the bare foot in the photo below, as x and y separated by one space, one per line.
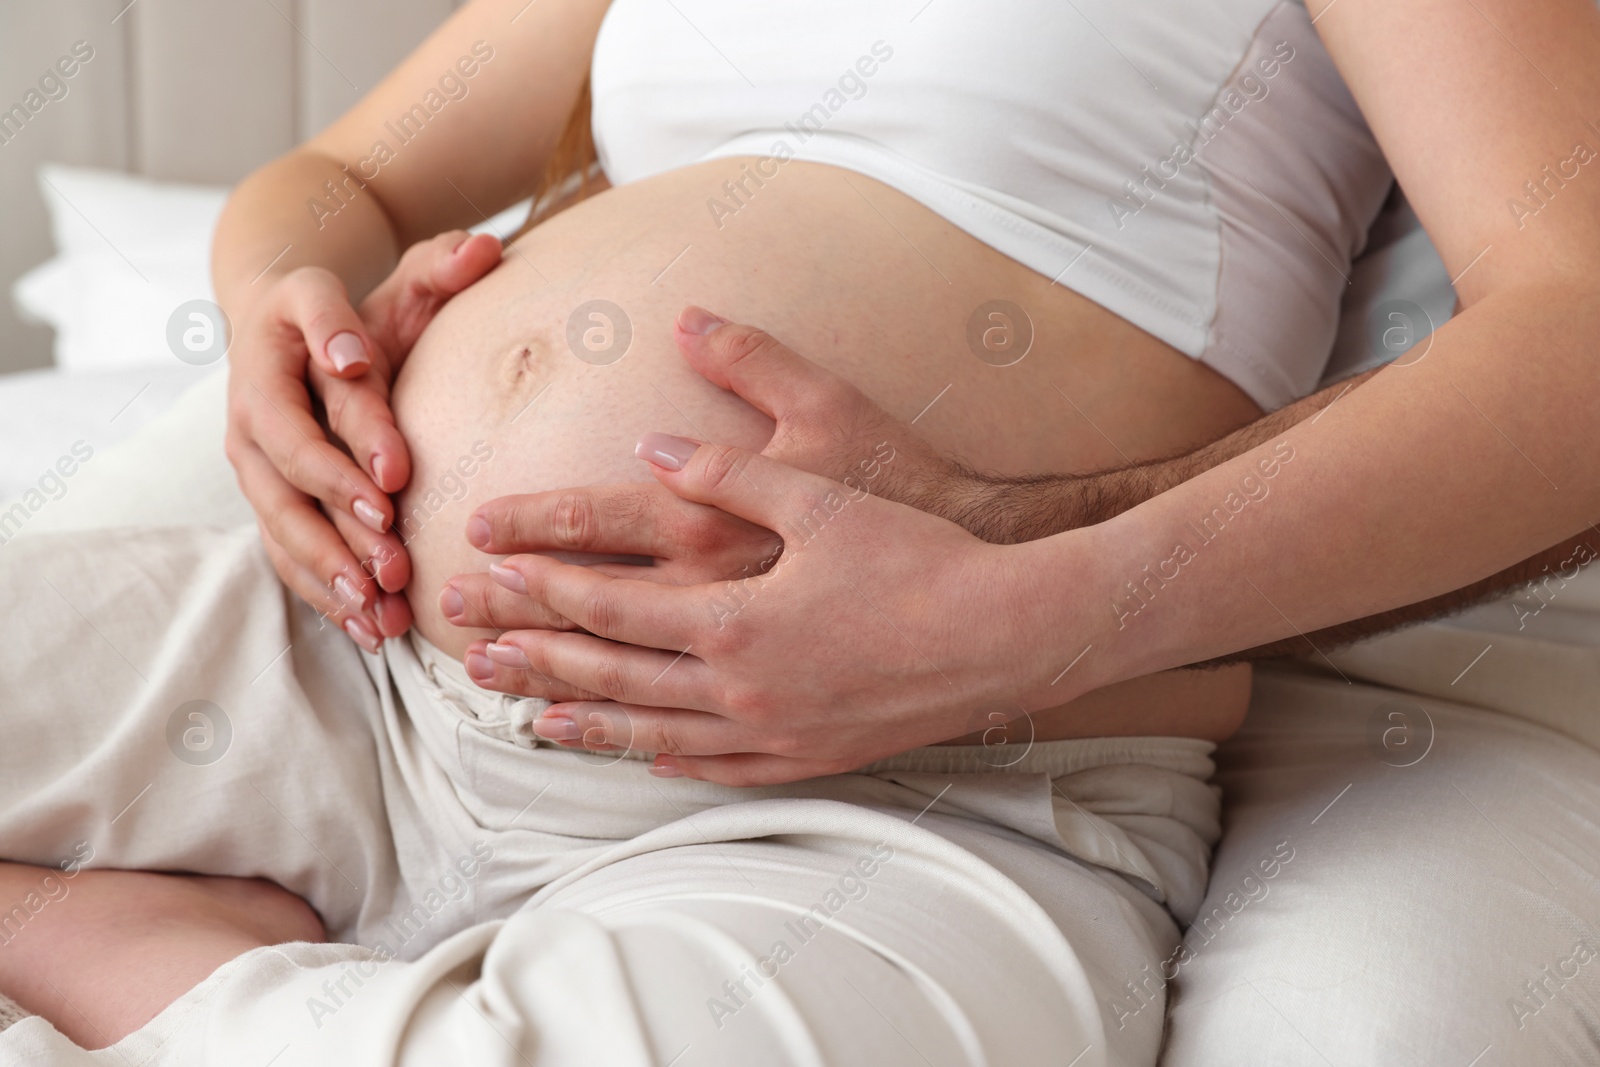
101 953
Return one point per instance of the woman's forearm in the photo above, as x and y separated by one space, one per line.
268 229
1426 479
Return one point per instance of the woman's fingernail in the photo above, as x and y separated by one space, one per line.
370 515
508 578
452 603
361 633
666 770
380 467
478 532
557 729
508 656
699 321
392 619
346 350
350 593
479 667
665 450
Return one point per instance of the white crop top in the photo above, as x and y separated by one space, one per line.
1198 169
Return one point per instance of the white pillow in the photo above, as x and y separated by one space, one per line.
128 251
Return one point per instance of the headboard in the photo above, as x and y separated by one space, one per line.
194 90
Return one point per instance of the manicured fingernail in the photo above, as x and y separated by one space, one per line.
557 729
508 578
361 633
452 603
508 656
479 666
347 590
380 467
370 515
478 532
666 770
698 320
665 450
392 619
346 350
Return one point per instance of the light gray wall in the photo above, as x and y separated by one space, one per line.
196 90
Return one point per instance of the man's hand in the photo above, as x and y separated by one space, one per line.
824 425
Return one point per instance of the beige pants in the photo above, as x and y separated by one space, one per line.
169 706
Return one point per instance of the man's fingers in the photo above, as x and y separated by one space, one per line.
615 520
647 614
765 372
754 487
478 601
319 308
604 670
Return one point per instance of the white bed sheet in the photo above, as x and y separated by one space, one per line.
44 413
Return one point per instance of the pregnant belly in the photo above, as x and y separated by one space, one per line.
545 373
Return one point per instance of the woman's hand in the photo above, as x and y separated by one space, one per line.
880 628
307 366
824 425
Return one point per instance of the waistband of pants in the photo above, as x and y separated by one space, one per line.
510 718
1141 807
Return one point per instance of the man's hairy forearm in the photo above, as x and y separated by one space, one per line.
1008 511
1013 510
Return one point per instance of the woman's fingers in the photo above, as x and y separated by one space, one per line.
604 670
427 276
609 724
358 413
317 306
504 667
721 754
307 335
280 425
393 611
307 551
336 605
477 601
382 556
648 614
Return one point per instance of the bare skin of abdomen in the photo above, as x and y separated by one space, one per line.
849 272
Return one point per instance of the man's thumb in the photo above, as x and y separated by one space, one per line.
743 483
768 374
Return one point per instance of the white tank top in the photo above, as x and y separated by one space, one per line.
1199 169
